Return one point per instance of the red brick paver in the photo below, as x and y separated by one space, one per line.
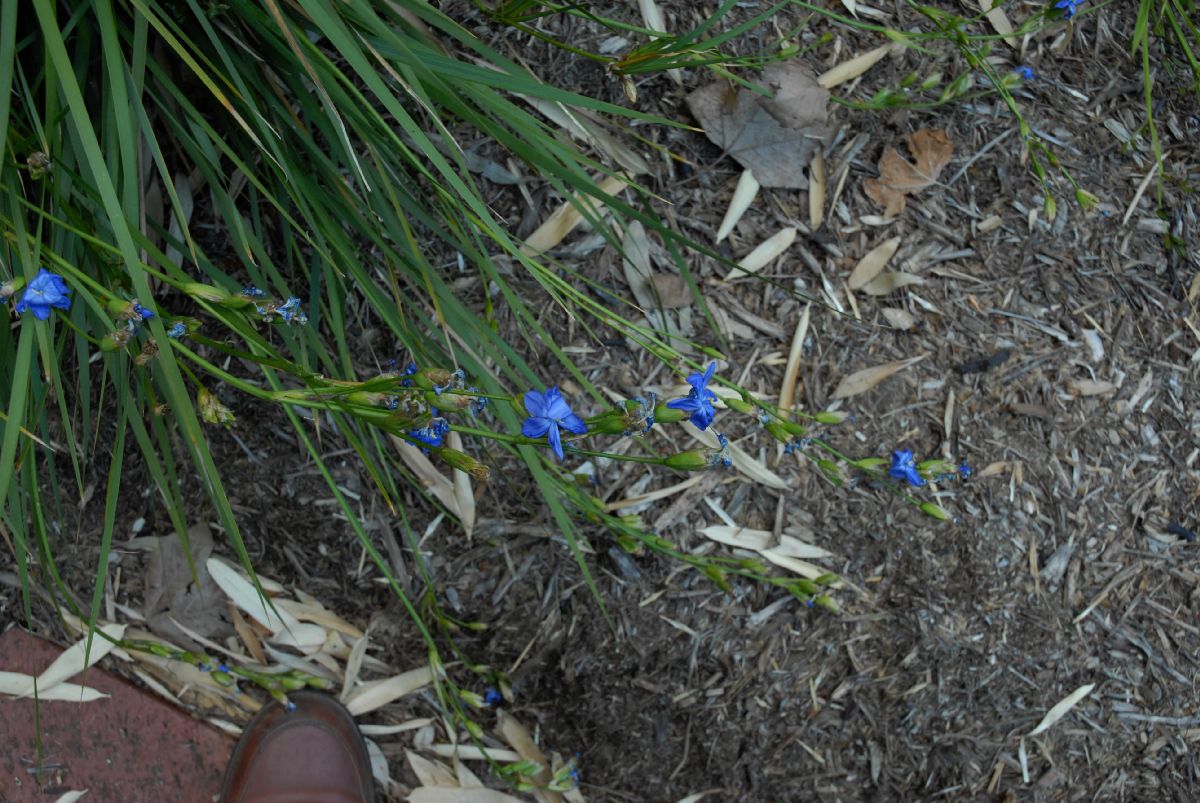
127 748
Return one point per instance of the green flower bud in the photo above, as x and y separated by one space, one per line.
691 460
753 565
931 468
804 588
116 339
778 431
39 164
1086 200
609 423
741 406
702 459
152 647
633 521
668 415
719 577
932 509
149 352
826 603
630 544
827 417
205 292
222 679
656 542
869 463
464 462
292 681
932 81
831 470
792 427
368 398
1049 207
211 409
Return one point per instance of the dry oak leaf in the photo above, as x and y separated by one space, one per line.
898 177
774 137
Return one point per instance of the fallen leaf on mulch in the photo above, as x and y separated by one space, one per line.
1090 387
899 319
672 291
862 381
172 599
853 68
765 253
285 628
787 551
744 463
873 263
49 685
743 196
518 737
563 220
899 178
889 282
1062 707
774 137
995 15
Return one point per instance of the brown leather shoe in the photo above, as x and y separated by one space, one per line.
312 754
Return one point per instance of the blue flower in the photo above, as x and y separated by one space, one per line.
719 457
548 412
253 292
1025 72
1068 7
478 403
492 697
408 371
433 433
46 291
699 400
458 381
639 414
177 330
290 310
904 468
964 469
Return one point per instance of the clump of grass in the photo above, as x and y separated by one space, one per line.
251 186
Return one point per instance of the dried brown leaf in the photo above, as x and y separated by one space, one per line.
672 291
743 196
862 381
889 282
1090 387
774 137
170 592
899 178
872 263
995 14
899 319
853 68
